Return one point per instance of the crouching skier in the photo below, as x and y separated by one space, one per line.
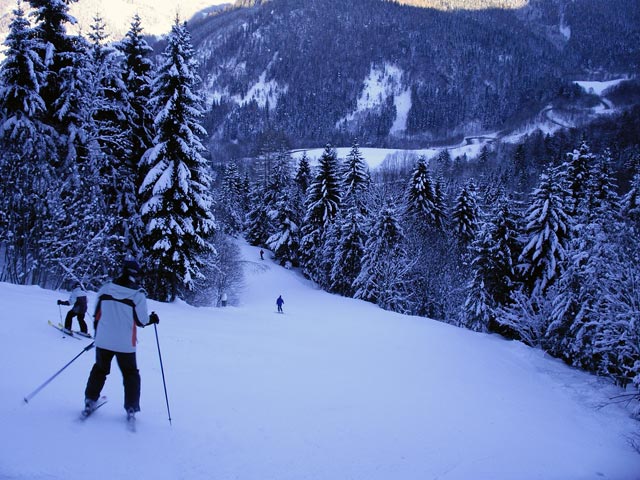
121 307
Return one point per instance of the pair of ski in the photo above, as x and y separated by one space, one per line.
88 411
73 333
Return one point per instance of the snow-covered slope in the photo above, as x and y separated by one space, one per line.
333 389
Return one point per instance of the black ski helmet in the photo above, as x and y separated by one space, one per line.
131 268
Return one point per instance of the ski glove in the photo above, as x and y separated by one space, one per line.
63 302
153 318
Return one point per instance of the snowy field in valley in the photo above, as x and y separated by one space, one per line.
333 389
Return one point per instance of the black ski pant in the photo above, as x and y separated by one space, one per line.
130 376
69 319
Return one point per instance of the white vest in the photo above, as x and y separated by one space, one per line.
116 329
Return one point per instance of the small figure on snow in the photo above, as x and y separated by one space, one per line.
121 307
261 254
223 299
78 302
280 302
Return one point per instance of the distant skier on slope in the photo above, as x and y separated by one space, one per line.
78 302
280 302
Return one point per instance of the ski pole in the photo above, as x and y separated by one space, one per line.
166 397
35 392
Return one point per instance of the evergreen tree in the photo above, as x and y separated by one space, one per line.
630 204
177 203
25 199
303 174
385 265
349 252
137 72
444 163
257 228
282 212
465 215
520 168
547 232
230 199
577 170
580 316
80 245
439 205
302 179
420 198
56 49
323 202
356 179
617 342
494 278
112 114
285 242
278 179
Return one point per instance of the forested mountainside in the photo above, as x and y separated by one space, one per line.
391 74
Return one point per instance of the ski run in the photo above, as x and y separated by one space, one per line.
335 389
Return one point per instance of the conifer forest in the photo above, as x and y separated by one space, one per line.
105 155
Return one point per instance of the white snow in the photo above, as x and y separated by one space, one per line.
375 157
333 389
598 88
383 82
402 102
565 29
263 92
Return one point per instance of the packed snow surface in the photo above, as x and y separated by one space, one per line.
332 389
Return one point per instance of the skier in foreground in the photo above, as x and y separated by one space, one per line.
121 307
78 301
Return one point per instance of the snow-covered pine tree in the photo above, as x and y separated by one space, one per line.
303 174
137 72
578 167
520 169
301 182
630 204
356 179
177 207
385 265
323 201
81 246
229 202
617 342
257 224
56 49
25 146
495 252
439 205
443 163
465 214
581 326
284 238
546 234
112 114
278 178
348 254
285 241
420 197
67 95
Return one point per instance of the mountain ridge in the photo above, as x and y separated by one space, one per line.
302 67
